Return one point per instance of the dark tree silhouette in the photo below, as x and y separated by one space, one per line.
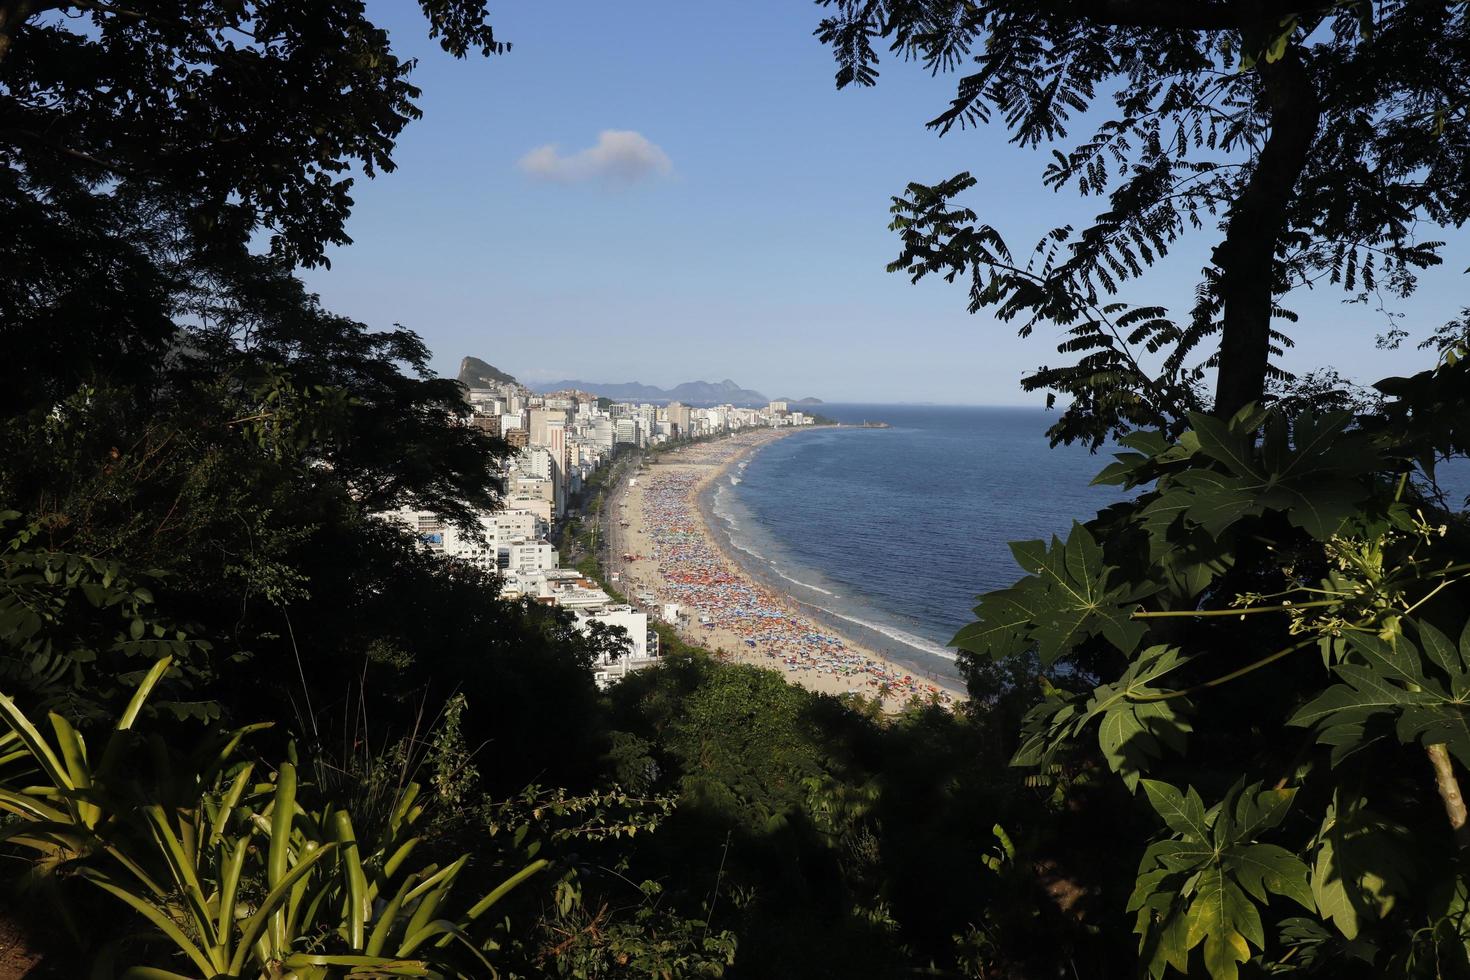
1315 139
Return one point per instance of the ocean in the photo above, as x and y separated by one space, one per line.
890 534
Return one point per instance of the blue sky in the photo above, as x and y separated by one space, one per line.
741 233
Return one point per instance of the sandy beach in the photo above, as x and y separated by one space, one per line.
662 547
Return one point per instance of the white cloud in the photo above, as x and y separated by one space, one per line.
621 156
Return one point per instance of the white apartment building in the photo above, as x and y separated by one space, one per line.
497 531
535 461
522 558
627 432
539 506
608 670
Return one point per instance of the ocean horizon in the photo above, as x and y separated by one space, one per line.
890 534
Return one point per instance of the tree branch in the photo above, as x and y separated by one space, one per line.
1195 15
1247 257
1449 791
1190 15
14 13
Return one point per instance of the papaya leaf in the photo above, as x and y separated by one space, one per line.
1357 874
1184 813
1211 878
1134 733
1227 922
1069 597
1313 474
1387 683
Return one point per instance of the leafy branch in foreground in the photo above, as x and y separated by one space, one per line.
1309 142
1200 887
1278 618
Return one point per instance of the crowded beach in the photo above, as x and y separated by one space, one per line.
663 548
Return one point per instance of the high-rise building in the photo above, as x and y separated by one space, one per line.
539 419
602 433
488 424
556 443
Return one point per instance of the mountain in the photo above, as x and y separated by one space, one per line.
477 374
801 401
690 392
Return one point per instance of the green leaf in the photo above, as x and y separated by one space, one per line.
1258 810
1313 475
151 911
1443 654
1002 626
1079 603
1365 694
364 965
1135 731
140 696
1069 597
1263 868
35 744
358 905
1357 873
180 863
1184 813
256 925
1225 920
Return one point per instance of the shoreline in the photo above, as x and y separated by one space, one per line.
857 633
728 609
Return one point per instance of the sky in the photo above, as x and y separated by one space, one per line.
674 191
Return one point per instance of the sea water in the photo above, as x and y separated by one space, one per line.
890 533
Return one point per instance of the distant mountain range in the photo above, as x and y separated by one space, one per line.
478 374
689 393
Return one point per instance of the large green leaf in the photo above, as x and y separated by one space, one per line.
1208 882
1138 723
1070 596
1357 875
1225 920
1314 474
1268 868
1183 813
1388 683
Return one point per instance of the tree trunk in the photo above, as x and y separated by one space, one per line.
1246 259
12 14
1449 791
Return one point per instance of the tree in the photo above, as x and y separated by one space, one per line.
255 113
174 398
1315 139
1269 641
1266 644
143 145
